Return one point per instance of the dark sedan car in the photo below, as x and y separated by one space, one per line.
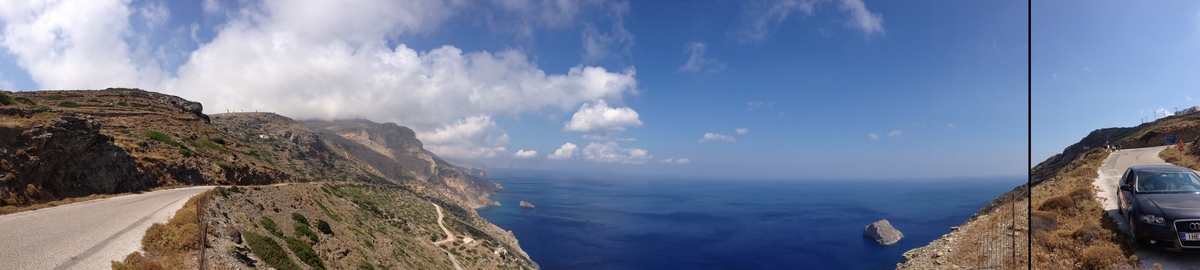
1162 205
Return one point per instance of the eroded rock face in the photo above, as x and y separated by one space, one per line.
396 153
66 157
883 232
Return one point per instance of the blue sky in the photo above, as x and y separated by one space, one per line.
1109 64
739 89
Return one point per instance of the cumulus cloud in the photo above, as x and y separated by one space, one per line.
742 131
698 62
873 136
76 45
870 23
315 59
709 137
472 137
523 154
896 133
675 161
611 152
567 151
599 118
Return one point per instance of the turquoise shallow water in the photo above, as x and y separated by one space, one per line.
584 221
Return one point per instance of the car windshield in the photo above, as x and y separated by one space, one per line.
1164 182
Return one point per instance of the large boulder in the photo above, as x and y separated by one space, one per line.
883 232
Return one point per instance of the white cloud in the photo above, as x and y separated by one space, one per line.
567 151
742 131
598 46
523 154
751 105
610 152
896 133
951 125
762 16
304 59
708 137
601 119
873 136
697 62
211 6
1164 112
473 137
870 23
675 161
75 45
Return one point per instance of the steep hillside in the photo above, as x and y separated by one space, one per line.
57 145
368 226
62 144
1070 228
395 153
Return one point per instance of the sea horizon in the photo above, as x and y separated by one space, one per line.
617 221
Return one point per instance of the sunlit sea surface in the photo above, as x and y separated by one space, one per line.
584 221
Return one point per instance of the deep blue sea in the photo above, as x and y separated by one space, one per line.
595 221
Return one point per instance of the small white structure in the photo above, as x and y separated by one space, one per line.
468 240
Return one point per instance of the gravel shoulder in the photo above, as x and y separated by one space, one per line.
1110 173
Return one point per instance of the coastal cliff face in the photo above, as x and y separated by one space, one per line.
398 156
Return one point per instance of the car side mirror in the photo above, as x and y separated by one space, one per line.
1126 188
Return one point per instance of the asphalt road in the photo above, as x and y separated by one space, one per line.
85 235
1110 174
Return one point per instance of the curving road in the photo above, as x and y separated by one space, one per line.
449 236
85 235
1110 174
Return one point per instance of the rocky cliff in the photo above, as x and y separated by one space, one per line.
395 153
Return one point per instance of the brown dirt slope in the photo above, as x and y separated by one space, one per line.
64 144
370 226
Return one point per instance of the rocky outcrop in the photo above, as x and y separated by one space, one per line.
882 232
526 204
65 157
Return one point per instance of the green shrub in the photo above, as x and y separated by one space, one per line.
122 103
270 226
68 104
53 97
26 100
324 227
269 250
6 100
213 146
328 213
224 165
161 137
303 230
185 151
304 252
300 218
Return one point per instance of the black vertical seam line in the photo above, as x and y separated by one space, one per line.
96 248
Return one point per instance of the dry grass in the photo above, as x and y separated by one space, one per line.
174 245
1072 230
1174 156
